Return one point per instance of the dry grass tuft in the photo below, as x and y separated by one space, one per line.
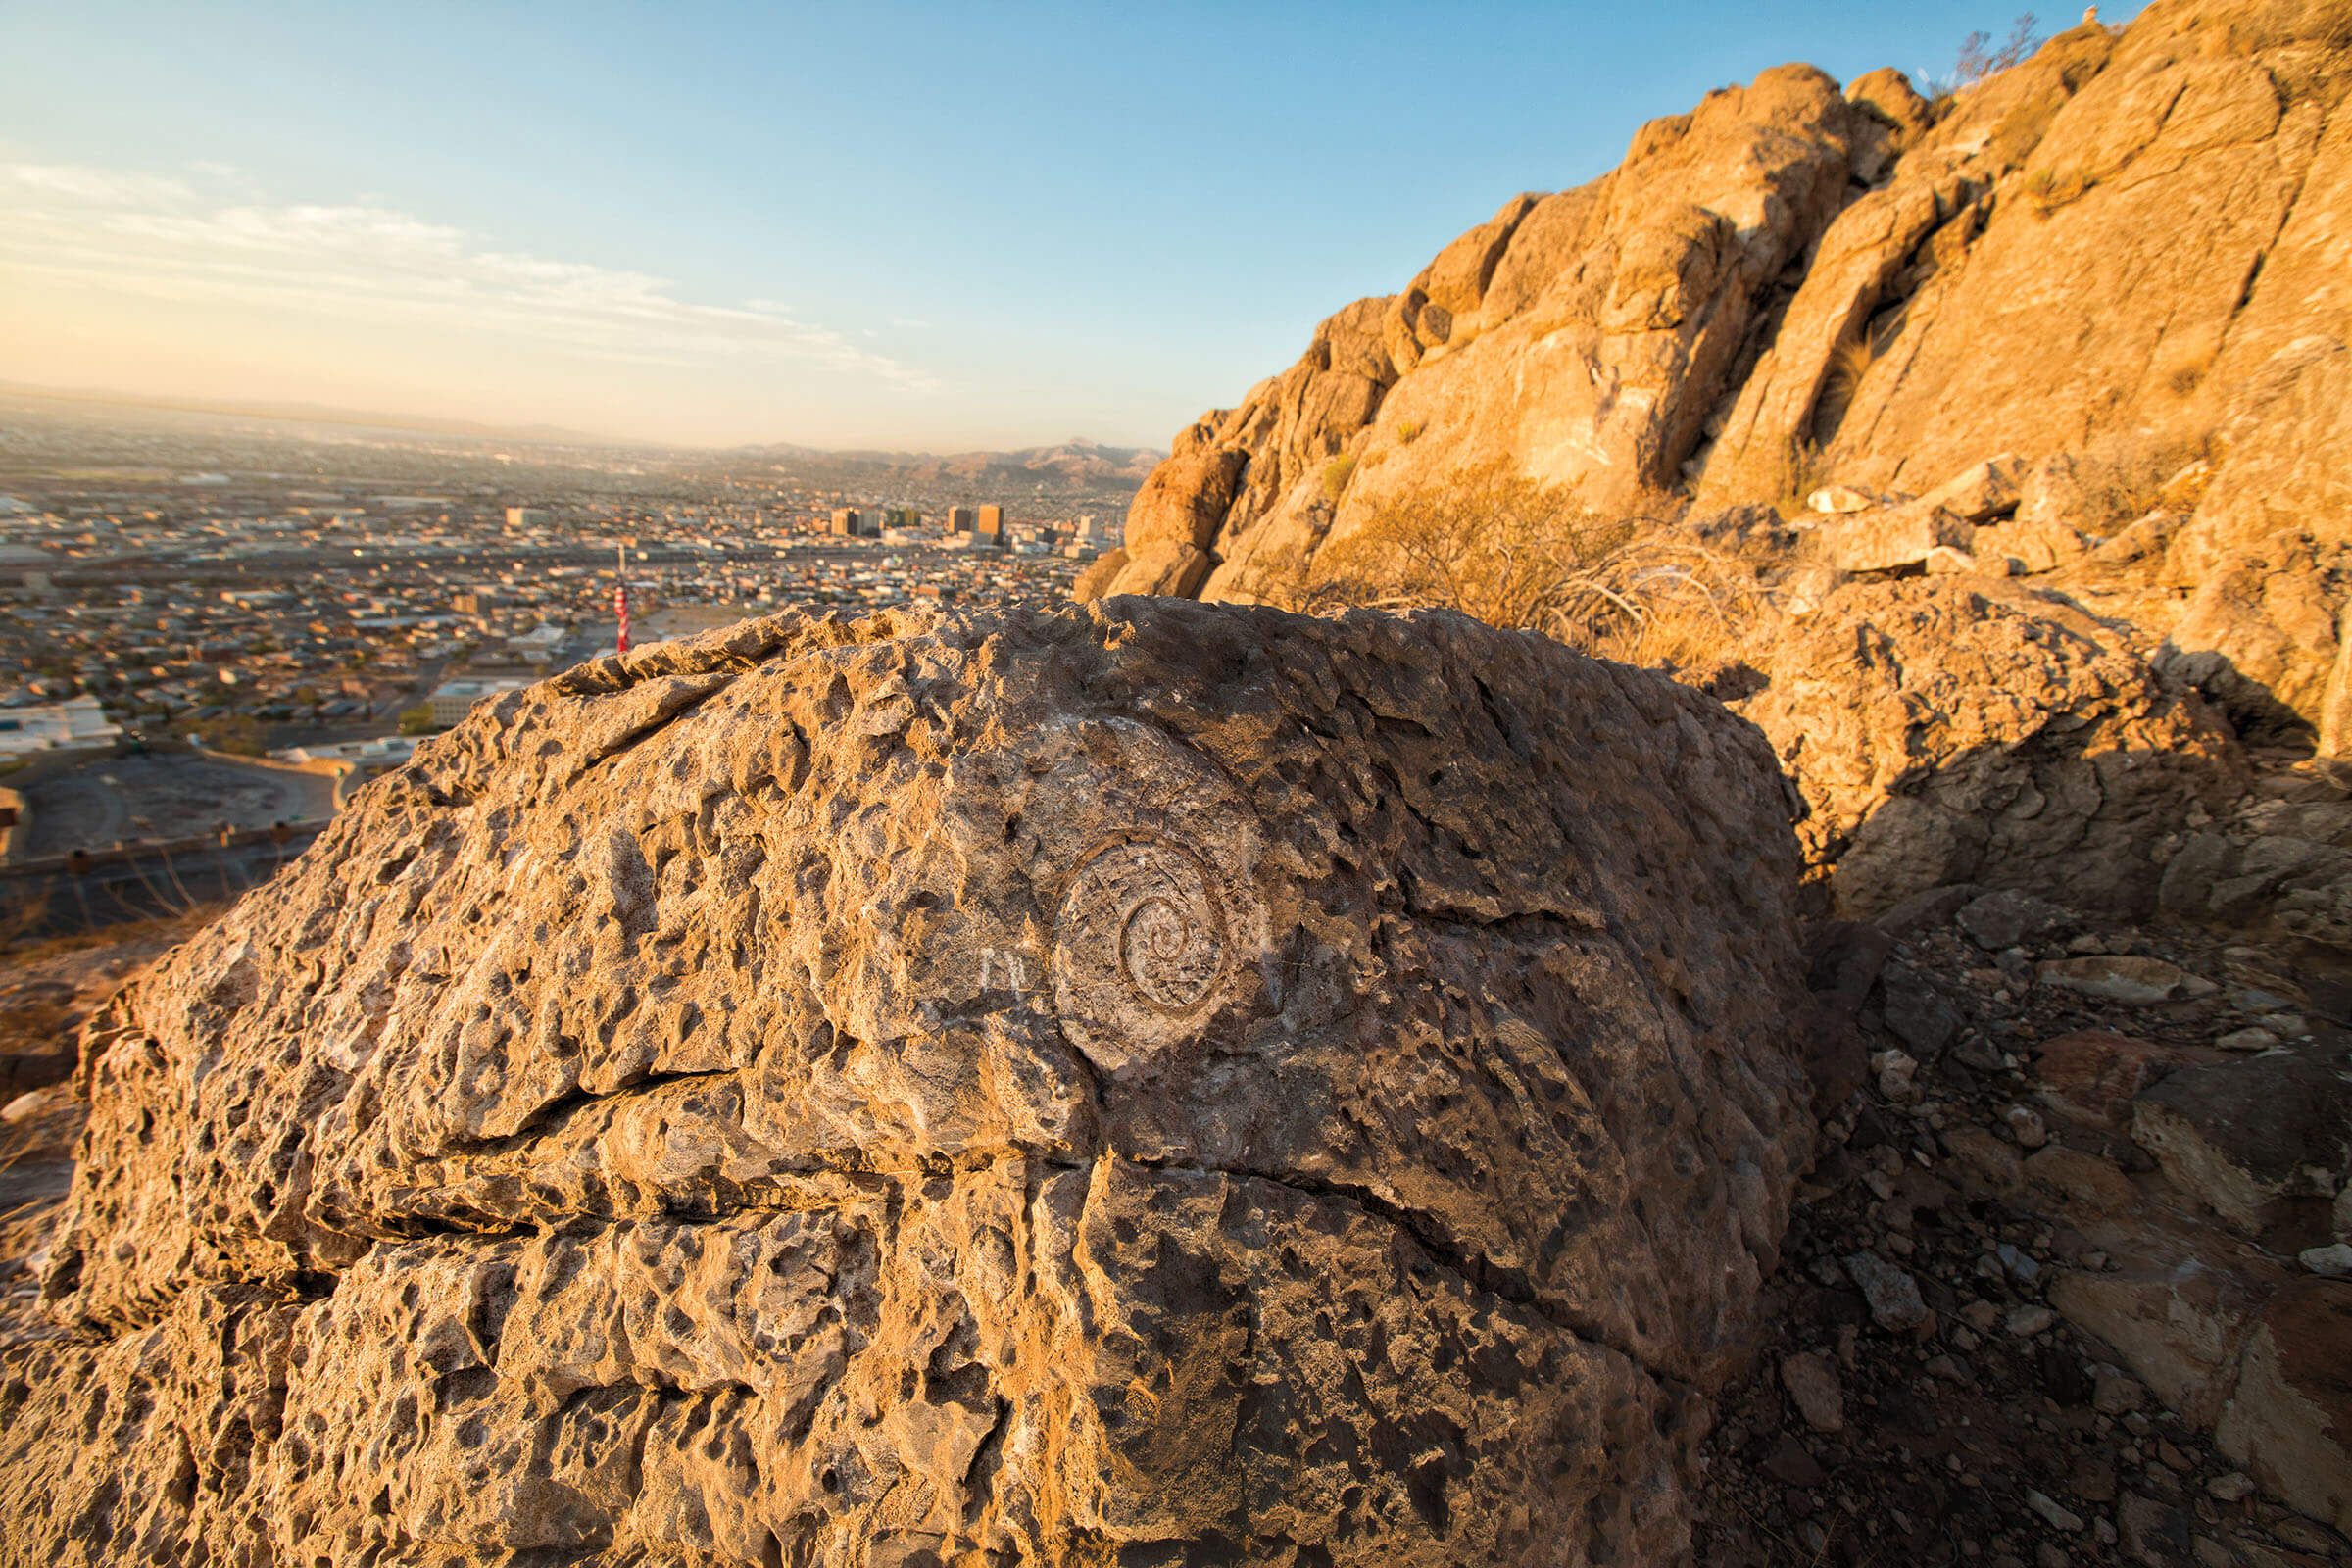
1841 381
1800 470
1336 474
2048 189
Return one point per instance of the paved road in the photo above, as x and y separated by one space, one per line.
165 794
140 887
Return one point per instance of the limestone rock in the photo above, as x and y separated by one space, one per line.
2259 633
1980 491
2006 918
1942 733
1891 1292
1162 566
2240 1134
1581 338
2121 265
1812 1382
2270 863
1889 537
2031 545
1081 1086
1099 573
2119 977
1945 561
1916 1014
2177 1325
1838 500
1185 499
2091 1076
2290 1420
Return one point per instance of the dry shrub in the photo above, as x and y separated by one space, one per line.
1664 605
1978 58
2123 476
1800 471
1486 541
1510 552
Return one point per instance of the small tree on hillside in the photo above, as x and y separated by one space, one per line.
239 734
1979 59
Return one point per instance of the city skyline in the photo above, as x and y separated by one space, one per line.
907 229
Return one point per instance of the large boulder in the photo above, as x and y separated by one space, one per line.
1185 499
1944 733
2239 1136
1136 1082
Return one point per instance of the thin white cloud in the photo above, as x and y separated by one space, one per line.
96 188
158 239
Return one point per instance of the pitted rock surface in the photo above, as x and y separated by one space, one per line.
1138 1082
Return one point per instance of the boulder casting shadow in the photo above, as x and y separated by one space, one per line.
1136 1082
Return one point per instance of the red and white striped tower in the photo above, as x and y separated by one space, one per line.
620 594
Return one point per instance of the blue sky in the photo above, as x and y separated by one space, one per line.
877 225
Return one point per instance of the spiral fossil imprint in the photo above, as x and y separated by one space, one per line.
1140 948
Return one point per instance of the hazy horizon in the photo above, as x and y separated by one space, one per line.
900 229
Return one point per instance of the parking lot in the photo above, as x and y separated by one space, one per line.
163 795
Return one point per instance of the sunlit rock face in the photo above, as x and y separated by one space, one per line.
1144 1081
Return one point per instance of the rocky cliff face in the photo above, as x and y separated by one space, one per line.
2118 271
1162 1083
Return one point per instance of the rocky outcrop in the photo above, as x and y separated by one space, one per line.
1158 1081
2086 321
1789 278
1946 732
2282 857
1579 338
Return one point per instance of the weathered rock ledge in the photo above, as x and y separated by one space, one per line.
1144 1081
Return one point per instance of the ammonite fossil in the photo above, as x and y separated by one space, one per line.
1141 949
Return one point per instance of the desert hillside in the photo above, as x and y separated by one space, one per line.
2070 344
1360 1073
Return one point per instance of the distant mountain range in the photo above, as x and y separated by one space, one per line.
1075 465
98 397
